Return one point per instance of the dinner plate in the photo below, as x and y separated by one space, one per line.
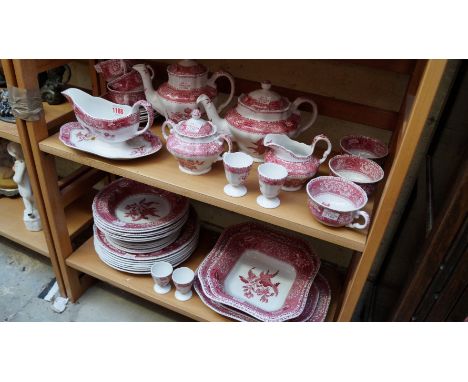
132 207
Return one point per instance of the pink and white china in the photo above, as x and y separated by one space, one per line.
237 167
132 207
337 202
271 178
73 135
174 252
262 272
316 309
188 79
259 113
111 69
161 272
364 172
296 157
108 121
365 147
195 143
183 280
126 89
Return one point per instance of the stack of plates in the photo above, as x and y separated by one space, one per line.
137 225
258 274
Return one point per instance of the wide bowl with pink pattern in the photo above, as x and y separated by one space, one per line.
365 147
337 202
364 172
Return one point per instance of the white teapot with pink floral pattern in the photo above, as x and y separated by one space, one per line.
176 98
259 113
195 143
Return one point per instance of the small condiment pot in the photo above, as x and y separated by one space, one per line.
195 143
337 202
364 172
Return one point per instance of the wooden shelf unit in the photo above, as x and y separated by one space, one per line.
161 170
80 266
78 212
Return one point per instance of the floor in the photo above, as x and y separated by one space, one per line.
25 274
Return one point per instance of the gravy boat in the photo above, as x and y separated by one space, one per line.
109 122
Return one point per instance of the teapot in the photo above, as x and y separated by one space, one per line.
296 157
188 79
257 114
195 143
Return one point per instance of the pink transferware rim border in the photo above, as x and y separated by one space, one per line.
126 187
297 296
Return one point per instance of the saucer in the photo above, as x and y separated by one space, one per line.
73 135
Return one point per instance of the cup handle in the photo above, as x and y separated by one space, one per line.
211 82
149 109
322 137
305 124
228 139
166 123
366 217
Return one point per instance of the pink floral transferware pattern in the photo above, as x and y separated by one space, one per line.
187 234
271 182
359 165
111 69
108 199
73 135
262 127
373 148
260 285
277 245
141 210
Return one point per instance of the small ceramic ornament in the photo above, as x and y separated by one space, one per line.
31 216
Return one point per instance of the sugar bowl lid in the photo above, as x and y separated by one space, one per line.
264 100
195 127
186 68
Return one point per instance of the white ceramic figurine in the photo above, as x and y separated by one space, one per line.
31 216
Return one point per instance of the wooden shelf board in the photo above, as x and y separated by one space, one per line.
55 115
9 131
161 170
85 260
12 227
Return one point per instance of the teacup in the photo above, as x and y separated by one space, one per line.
110 69
108 121
129 81
337 202
183 279
271 177
237 167
364 172
161 272
365 147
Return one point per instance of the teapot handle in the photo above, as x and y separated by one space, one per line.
295 105
149 109
227 138
322 137
166 123
211 82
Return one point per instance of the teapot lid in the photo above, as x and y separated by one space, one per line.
264 100
195 127
186 68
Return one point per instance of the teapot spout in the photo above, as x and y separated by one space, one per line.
221 124
147 74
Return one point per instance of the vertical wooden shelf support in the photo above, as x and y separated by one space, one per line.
417 120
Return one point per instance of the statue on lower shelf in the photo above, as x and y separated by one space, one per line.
31 216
